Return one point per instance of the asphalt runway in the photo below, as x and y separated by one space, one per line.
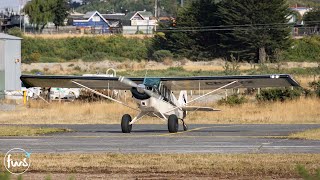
209 138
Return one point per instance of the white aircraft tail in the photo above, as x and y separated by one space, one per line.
183 98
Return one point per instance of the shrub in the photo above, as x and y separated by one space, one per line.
160 55
87 48
306 49
316 87
15 31
278 94
233 100
34 57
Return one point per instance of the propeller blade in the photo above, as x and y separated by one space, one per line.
127 82
152 94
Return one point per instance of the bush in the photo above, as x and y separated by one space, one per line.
233 100
278 94
32 58
15 31
87 48
306 49
160 55
316 87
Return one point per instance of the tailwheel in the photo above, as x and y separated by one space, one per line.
125 126
173 124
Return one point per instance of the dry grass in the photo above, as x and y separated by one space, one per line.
312 134
291 112
27 131
248 166
305 80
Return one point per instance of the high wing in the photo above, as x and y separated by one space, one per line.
173 83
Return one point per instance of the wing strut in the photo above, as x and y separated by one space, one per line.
229 84
100 94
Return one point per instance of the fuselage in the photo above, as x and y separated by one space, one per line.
159 107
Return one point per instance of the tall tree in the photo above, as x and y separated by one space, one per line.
187 37
60 12
255 28
39 12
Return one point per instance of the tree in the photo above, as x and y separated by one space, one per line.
60 12
188 38
255 29
312 19
39 12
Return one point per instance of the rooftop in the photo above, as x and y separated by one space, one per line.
7 36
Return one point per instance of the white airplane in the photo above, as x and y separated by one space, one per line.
154 96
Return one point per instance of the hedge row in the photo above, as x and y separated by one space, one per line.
120 48
85 48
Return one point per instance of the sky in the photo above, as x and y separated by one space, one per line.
12 4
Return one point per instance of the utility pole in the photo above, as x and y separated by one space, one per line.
181 3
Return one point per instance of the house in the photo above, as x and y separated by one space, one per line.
115 21
93 21
139 22
299 13
297 19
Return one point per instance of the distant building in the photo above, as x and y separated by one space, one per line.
115 21
139 22
93 21
298 16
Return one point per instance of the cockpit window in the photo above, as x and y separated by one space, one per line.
152 82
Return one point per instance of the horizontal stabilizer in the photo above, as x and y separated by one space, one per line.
196 108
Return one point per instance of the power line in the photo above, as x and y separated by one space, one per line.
271 25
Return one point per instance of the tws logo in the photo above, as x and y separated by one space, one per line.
17 161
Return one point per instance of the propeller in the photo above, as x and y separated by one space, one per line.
141 87
128 82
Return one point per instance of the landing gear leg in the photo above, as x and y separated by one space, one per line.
185 127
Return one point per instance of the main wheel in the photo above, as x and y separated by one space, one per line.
125 126
173 124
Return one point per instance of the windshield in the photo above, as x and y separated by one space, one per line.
152 82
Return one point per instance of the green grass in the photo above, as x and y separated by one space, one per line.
27 131
115 48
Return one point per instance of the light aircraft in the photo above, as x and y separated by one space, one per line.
154 96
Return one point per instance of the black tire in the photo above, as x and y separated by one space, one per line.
173 124
125 126
138 95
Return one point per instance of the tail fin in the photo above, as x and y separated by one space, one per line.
183 98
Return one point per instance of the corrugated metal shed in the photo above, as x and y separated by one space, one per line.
10 62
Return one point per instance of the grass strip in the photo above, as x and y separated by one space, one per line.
27 131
